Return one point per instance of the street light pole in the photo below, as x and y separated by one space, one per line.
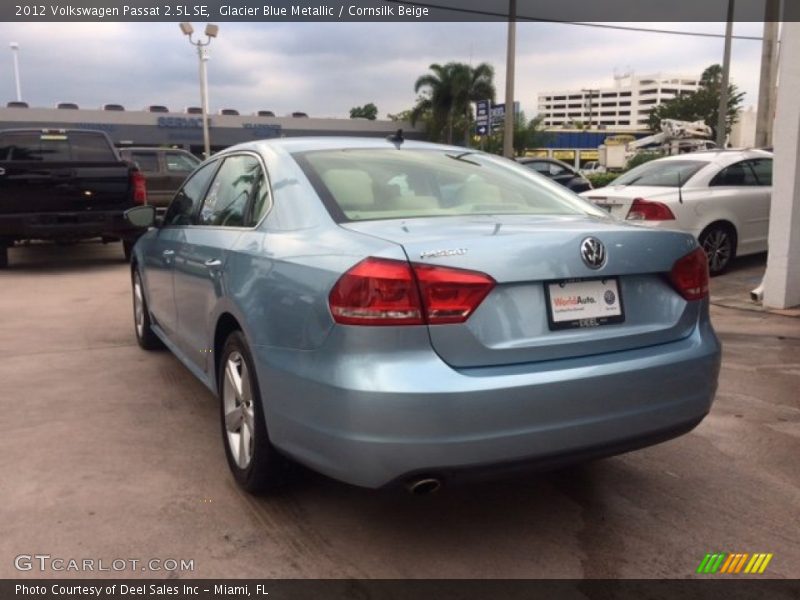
15 53
202 57
211 31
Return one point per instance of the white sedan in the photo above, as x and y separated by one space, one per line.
722 197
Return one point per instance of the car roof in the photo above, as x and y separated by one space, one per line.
153 149
727 155
306 144
526 160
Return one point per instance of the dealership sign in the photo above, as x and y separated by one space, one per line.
181 123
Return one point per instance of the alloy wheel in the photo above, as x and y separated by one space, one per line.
718 247
138 305
237 398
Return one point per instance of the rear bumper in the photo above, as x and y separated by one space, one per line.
404 413
58 225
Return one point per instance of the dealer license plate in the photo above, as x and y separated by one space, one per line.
584 303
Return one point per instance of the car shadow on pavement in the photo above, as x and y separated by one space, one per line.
43 257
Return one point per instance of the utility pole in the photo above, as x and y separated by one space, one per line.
723 88
508 125
767 89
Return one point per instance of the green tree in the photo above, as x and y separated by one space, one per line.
445 96
640 158
527 134
368 111
403 115
702 105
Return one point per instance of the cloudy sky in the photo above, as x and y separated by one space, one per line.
326 68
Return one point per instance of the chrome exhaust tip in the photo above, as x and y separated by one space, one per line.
424 486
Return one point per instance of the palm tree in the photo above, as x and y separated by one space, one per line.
437 98
712 77
447 92
473 84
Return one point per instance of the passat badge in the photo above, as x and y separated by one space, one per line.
440 253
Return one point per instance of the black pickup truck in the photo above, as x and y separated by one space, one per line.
65 185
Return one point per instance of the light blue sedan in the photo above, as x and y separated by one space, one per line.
388 311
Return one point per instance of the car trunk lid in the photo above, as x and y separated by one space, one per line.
617 200
524 255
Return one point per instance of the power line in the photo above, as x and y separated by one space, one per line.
500 15
665 31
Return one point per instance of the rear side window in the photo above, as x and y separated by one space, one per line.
55 147
177 162
762 167
737 174
183 206
229 198
547 169
147 161
87 147
539 166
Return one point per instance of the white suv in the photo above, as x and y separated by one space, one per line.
720 196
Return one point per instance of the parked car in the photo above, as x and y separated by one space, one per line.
559 172
592 168
65 185
722 197
401 312
165 169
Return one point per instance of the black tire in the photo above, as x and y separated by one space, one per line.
127 249
265 468
3 256
143 330
718 240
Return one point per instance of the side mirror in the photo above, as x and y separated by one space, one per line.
141 216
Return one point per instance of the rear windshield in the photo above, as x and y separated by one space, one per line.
661 173
55 147
370 184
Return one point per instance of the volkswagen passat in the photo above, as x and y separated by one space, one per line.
386 311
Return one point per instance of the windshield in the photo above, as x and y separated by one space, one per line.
369 184
661 173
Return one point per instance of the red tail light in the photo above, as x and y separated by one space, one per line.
379 291
649 210
139 185
689 275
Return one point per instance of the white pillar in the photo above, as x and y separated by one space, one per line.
782 280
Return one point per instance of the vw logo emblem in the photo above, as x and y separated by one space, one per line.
593 253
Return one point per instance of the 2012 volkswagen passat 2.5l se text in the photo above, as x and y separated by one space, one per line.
390 312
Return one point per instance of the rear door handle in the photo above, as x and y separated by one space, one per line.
213 263
168 253
2 171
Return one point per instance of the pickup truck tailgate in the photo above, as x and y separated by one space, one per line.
27 187
61 171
